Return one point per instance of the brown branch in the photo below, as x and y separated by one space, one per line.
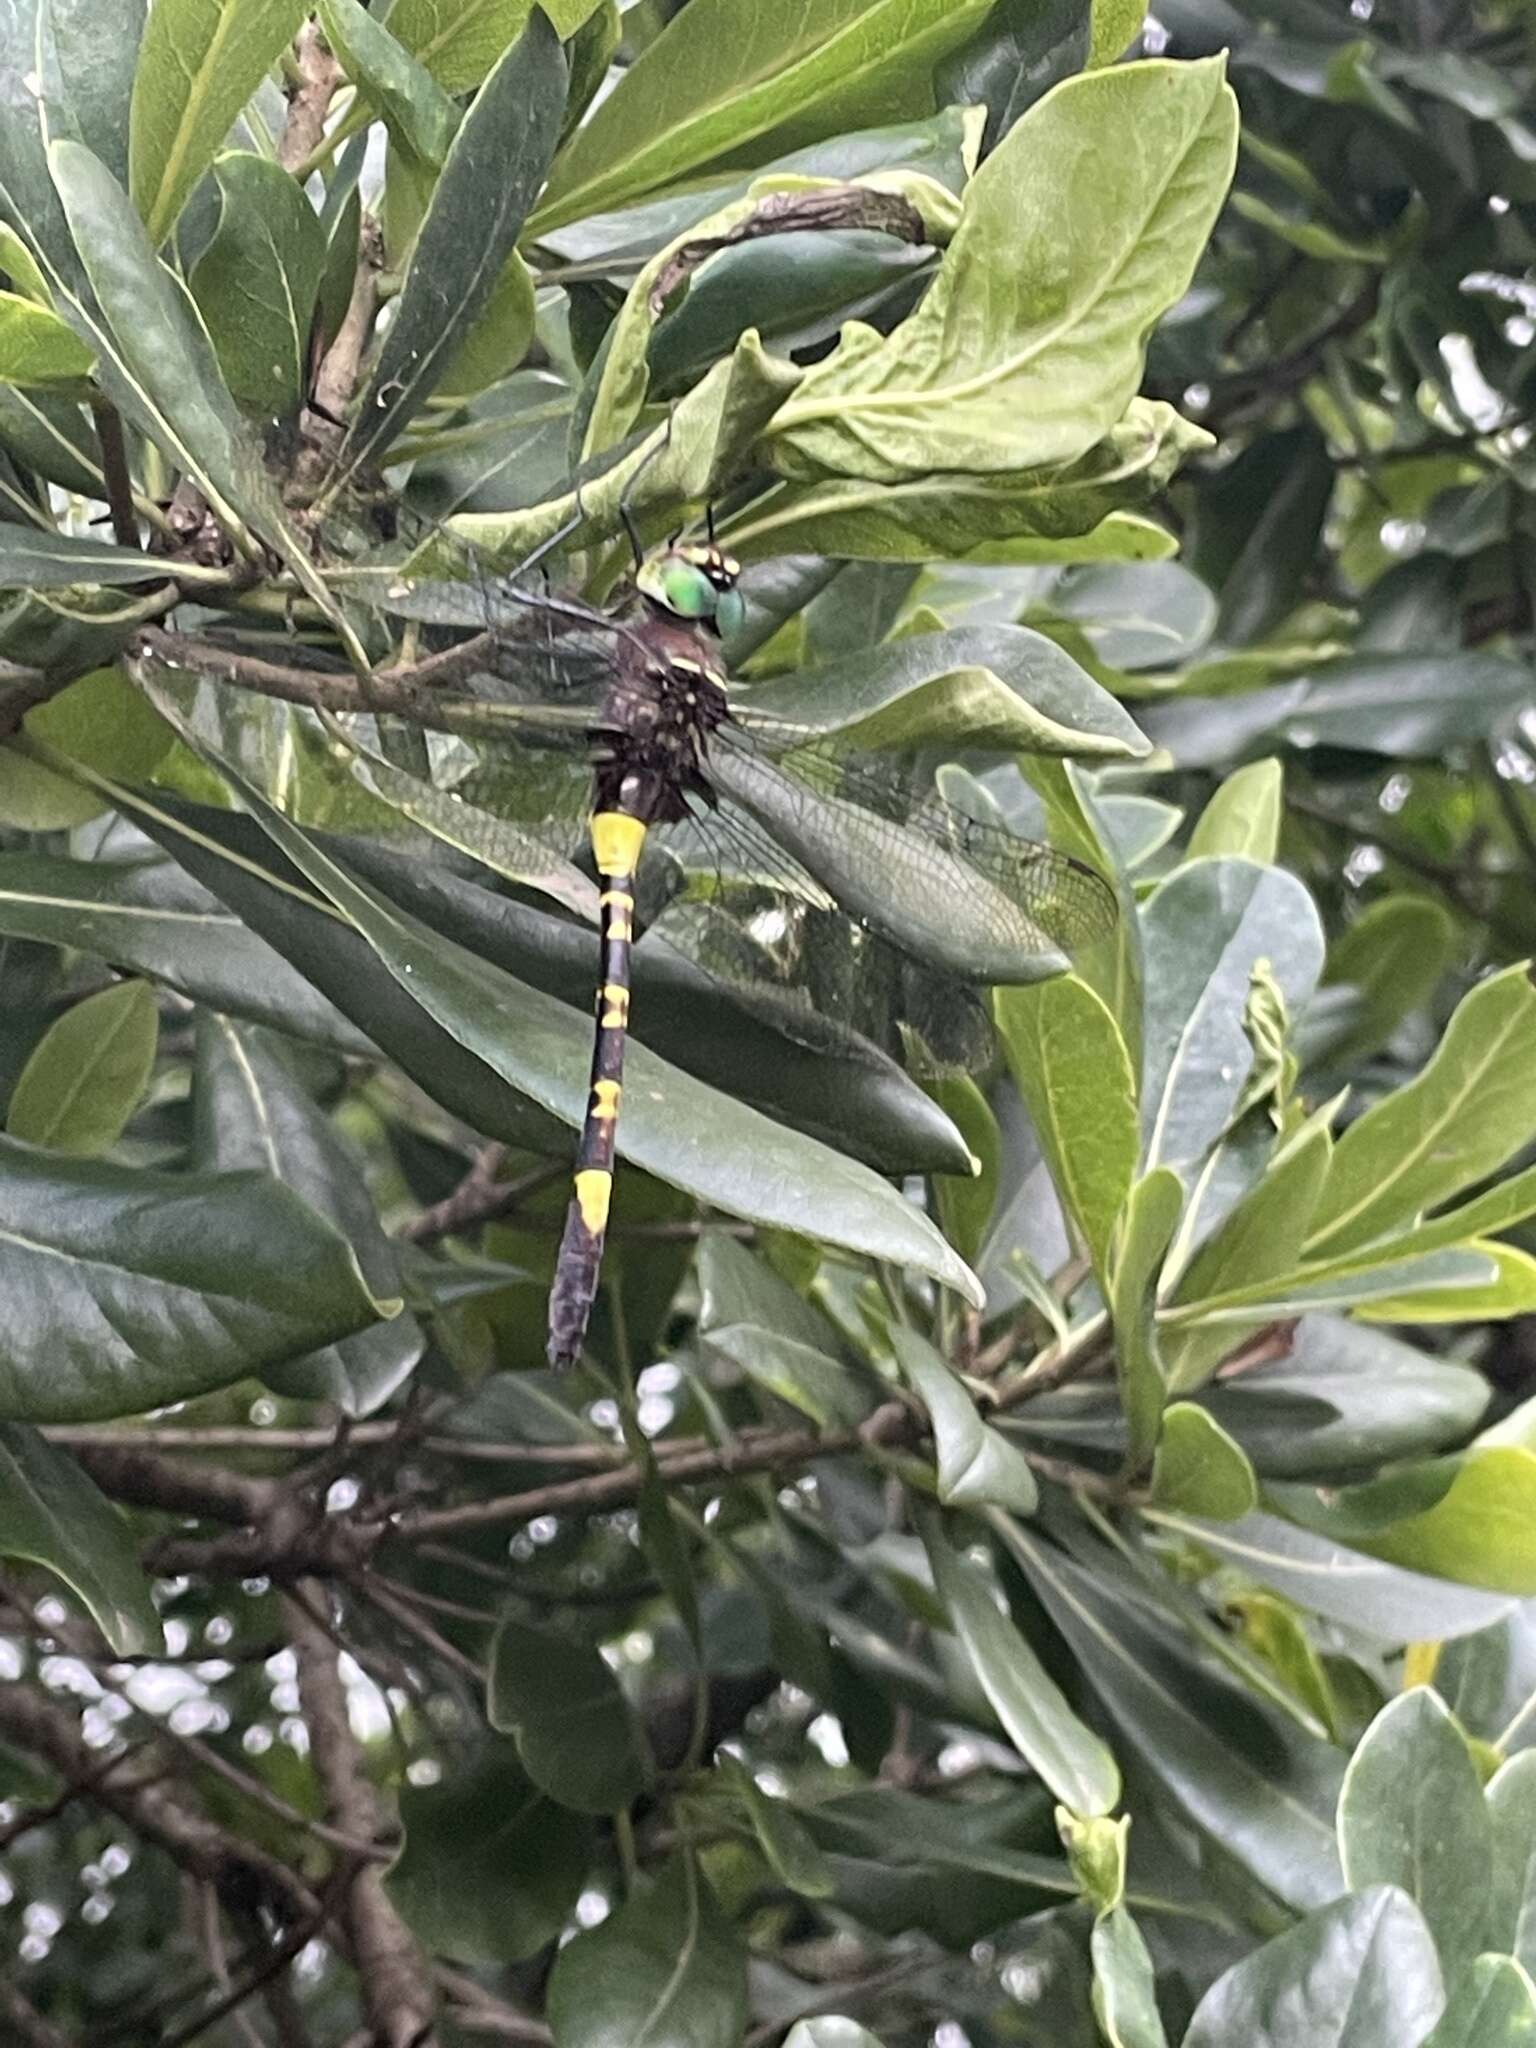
25 2025
137 1794
309 97
391 1971
114 465
137 1478
478 1198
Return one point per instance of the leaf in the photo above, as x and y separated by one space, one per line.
128 1289
977 1467
257 281
1039 1723
1116 25
1199 1470
459 40
965 1203
493 169
145 917
89 82
804 1375
1027 348
252 1114
1481 1531
199 62
87 1074
52 1515
1412 1814
1243 817
1147 1223
1360 1973
1204 931
1494 2006
1124 1994
787 1844
829 2032
737 74
1511 1797
1393 956
665 1970
1471 1108
1071 1066
1073 513
490 1868
404 93
1346 1585
574 1730
674 1127
37 348
1246 1779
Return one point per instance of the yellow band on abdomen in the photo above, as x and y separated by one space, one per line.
616 842
594 1190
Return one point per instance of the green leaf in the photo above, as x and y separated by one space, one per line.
1248 1780
1038 1721
804 1375
1080 512
1146 1227
784 1179
784 1840
1124 1988
252 1114
1494 2006
1412 1814
146 917
829 2032
1393 956
1116 25
1204 931
1481 1531
1471 1108
1071 1066
87 1074
404 93
575 1734
665 1970
128 1289
89 83
1028 347
965 1202
198 65
1511 1797
37 348
977 1467
1243 817
52 1515
493 169
257 281
1361 1973
490 1868
742 78
1199 1470
458 41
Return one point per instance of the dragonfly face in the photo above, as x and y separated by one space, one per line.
694 581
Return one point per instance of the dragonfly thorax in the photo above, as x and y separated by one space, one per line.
651 741
695 581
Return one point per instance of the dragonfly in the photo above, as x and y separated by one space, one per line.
807 870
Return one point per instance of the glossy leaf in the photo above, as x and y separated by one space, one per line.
1147 1224
575 1734
1511 1924
1362 1973
1071 1065
459 41
88 1072
1412 1814
403 92
37 348
1243 817
1393 956
1479 1531
252 1114
170 1284
737 74
1473 1105
198 64
1199 1470
1027 348
257 281
1494 2006
492 170
1040 1724
977 1467
491 1867
52 1515
665 1969
1124 1993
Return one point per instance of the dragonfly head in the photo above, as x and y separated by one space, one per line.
694 581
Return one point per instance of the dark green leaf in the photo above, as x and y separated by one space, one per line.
52 1515
257 281
574 1730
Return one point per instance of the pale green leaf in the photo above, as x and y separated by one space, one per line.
1243 817
1199 1470
977 1467
87 1074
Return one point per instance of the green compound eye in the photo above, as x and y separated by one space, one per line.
680 586
730 611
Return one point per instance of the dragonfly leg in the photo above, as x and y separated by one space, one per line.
616 843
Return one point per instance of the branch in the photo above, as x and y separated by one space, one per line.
309 97
26 2027
391 1970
